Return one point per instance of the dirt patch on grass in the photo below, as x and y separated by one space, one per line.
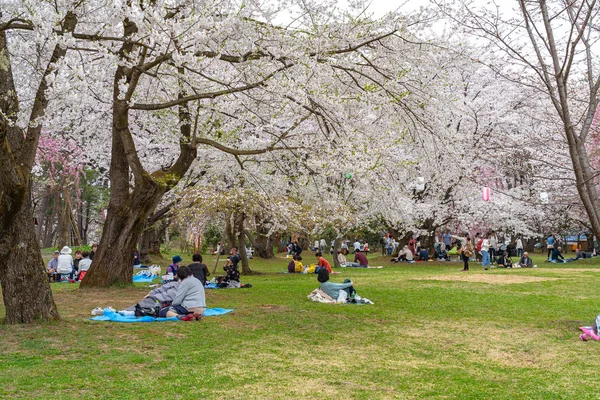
494 279
570 270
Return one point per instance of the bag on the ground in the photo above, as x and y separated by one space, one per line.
146 311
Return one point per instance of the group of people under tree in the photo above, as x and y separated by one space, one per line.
63 267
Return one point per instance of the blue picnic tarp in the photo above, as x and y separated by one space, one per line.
114 316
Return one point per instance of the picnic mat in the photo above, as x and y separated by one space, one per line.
142 278
116 317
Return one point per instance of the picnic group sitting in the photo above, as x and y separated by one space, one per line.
295 265
360 259
63 268
557 257
183 297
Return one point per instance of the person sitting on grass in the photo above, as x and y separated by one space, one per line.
172 269
292 265
361 259
404 255
557 255
504 261
232 276
189 302
322 263
333 289
422 254
199 270
76 260
84 265
52 266
65 264
298 267
526 261
341 257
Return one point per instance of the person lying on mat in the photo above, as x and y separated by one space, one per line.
333 289
162 295
190 301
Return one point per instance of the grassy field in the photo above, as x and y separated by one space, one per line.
433 332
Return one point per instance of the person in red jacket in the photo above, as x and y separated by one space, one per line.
323 263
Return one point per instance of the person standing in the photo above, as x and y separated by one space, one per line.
356 246
519 246
447 239
412 243
493 246
466 249
550 242
323 245
485 252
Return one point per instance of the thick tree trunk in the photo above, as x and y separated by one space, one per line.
25 289
128 212
241 243
262 244
230 232
336 245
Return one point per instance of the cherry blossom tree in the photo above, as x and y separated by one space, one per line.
25 289
549 46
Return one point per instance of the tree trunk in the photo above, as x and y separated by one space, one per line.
238 224
336 245
230 232
262 243
128 211
129 208
25 289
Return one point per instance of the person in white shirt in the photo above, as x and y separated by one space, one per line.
65 263
519 247
323 245
356 246
404 255
316 246
485 252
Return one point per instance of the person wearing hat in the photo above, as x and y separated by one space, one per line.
52 266
172 269
65 263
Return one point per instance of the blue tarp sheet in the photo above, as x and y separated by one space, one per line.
116 317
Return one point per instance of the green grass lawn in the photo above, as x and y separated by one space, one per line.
433 332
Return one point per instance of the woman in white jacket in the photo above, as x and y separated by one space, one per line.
65 263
